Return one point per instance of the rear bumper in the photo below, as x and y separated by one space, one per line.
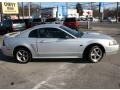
6 51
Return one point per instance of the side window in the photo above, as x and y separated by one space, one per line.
43 33
33 34
52 33
55 33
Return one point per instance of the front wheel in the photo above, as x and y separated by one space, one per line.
23 55
95 54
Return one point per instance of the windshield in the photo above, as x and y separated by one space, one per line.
37 20
70 19
72 31
18 21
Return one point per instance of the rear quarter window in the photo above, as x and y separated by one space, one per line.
33 34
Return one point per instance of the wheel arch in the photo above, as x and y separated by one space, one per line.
93 44
21 46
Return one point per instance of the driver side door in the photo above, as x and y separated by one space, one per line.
53 42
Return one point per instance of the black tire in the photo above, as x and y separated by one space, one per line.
26 55
94 54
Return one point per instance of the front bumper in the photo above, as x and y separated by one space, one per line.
112 50
6 51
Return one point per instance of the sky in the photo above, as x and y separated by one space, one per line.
72 4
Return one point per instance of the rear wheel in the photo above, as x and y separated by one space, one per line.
23 55
95 54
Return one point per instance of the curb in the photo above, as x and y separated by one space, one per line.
104 28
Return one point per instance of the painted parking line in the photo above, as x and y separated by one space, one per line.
46 82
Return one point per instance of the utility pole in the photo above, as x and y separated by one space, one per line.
91 5
117 13
29 9
66 9
100 10
23 10
57 12
40 9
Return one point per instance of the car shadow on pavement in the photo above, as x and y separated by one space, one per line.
69 60
49 60
6 58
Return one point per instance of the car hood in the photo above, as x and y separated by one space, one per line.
95 35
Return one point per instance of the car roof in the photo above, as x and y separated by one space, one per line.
40 26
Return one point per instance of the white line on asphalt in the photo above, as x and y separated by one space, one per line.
50 86
38 85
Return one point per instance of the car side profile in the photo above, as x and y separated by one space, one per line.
57 41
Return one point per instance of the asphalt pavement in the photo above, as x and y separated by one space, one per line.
63 73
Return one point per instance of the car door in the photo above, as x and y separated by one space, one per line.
53 42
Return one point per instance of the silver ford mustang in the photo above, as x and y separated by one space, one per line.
57 41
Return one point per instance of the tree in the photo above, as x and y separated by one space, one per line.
79 9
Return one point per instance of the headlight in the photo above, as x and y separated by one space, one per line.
113 42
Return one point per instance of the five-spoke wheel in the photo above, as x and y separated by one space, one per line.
23 55
95 54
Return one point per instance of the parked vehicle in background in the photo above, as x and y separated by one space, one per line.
52 21
28 23
57 41
5 26
72 23
18 25
112 20
37 21
95 20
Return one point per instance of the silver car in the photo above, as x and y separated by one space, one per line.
57 41
18 25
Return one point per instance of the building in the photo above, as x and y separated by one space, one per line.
48 12
58 12
87 13
72 13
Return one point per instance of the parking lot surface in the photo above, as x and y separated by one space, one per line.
62 73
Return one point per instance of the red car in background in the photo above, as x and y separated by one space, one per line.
72 23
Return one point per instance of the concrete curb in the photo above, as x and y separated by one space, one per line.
104 28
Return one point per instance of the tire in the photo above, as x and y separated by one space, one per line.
23 55
94 54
